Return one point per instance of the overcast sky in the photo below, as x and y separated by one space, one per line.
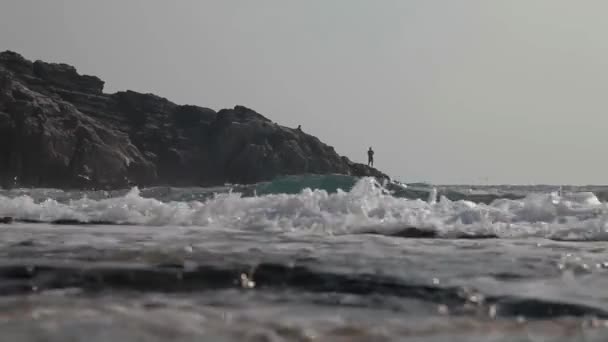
467 91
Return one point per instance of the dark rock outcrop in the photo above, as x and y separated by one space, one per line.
58 129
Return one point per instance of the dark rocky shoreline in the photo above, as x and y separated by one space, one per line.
58 129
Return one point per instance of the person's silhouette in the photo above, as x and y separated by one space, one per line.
370 157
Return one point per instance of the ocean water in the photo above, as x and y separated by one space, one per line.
300 259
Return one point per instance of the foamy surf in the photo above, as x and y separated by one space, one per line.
367 207
313 264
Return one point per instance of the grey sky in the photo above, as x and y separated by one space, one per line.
465 91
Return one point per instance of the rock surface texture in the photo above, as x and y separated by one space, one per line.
58 129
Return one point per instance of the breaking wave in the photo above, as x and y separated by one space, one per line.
366 207
298 183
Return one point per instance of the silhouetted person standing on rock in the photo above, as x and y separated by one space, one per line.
370 157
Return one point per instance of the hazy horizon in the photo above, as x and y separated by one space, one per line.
472 92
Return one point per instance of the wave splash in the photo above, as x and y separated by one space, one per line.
366 207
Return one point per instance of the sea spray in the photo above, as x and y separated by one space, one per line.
365 206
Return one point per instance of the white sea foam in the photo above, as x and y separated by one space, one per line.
365 207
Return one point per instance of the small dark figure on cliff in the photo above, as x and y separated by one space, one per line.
370 157
300 128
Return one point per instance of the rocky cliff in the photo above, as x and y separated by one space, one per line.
58 129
